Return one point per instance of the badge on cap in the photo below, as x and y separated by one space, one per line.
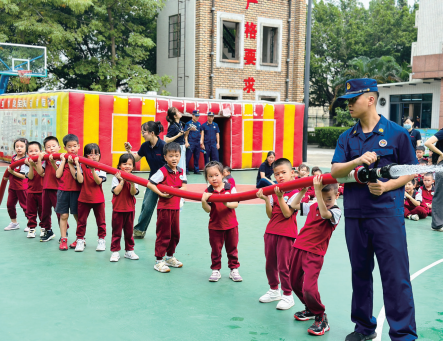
383 143
348 86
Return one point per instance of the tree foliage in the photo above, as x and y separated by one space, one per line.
344 30
102 45
343 118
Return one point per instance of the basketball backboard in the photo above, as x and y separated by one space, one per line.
15 57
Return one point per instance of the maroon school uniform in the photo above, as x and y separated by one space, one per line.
66 182
279 236
231 180
427 196
123 213
223 230
91 197
168 212
17 191
310 192
308 254
49 194
34 200
420 210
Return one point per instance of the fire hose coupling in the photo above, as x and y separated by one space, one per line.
363 175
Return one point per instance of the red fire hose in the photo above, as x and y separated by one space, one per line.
249 195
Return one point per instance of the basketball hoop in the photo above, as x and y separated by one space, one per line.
25 76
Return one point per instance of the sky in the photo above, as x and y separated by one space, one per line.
366 2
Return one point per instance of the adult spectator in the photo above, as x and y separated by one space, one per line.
265 171
437 159
152 150
210 138
192 141
414 135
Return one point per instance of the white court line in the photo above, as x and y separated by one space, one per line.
382 315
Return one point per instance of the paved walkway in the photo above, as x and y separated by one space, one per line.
320 157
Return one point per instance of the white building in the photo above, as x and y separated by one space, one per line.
420 99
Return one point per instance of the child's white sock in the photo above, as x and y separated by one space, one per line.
167 257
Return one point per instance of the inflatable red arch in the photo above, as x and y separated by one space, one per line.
242 196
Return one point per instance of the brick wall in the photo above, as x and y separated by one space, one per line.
229 78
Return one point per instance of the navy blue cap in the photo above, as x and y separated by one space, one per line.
196 113
357 87
210 113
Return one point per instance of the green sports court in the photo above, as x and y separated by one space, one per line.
51 295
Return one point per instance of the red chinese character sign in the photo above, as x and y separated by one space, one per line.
250 56
251 30
249 85
251 2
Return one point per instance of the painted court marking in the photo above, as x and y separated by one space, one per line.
382 315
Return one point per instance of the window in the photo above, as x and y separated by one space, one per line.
268 98
269 46
417 107
174 36
231 98
230 41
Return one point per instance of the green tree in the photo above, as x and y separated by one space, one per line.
343 30
343 118
103 45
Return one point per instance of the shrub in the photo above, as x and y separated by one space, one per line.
328 136
311 137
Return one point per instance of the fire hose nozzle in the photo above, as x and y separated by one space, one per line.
365 175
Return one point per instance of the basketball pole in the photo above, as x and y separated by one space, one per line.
307 79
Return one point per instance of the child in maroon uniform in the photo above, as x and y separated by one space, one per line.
68 188
310 194
303 170
415 209
35 188
279 236
427 191
223 225
168 208
309 250
420 152
227 176
18 185
123 209
47 169
91 197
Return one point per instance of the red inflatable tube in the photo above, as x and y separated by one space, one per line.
291 185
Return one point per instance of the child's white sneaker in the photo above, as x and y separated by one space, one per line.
80 246
31 234
115 257
216 275
415 217
235 276
131 255
26 229
271 296
42 232
286 302
174 262
161 266
12 226
101 246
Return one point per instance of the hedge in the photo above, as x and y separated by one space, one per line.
311 137
328 136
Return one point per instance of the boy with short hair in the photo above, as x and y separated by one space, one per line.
309 250
427 191
47 169
279 236
420 152
35 188
168 208
227 176
68 188
304 170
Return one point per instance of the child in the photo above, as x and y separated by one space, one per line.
279 236
420 152
309 250
310 194
17 191
168 208
304 170
427 191
50 186
123 209
35 188
91 197
227 176
68 188
296 174
223 225
415 209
